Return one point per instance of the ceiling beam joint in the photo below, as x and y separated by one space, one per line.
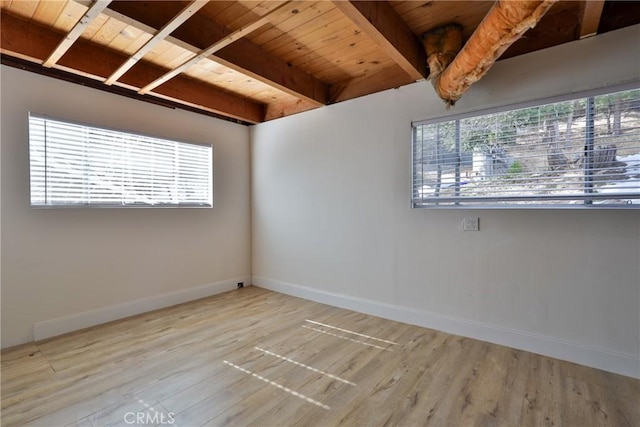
94 11
159 36
215 47
590 18
242 56
382 23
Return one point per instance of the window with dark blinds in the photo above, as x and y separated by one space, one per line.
581 152
78 165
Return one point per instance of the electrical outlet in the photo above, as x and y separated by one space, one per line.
240 285
470 224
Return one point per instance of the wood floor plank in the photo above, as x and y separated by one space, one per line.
256 357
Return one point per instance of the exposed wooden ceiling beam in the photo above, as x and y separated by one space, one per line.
590 19
59 74
178 20
388 78
215 47
241 56
29 40
381 22
276 110
94 11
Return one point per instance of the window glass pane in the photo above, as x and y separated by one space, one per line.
577 152
616 152
78 165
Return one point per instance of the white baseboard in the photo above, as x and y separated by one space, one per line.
607 360
74 322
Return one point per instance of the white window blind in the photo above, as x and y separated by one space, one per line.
584 151
78 165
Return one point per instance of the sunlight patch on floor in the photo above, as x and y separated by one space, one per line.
347 338
351 332
275 384
286 359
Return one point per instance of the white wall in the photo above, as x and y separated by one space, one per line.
64 268
332 222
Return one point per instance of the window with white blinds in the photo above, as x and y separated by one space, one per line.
78 165
581 152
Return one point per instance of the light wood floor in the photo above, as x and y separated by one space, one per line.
255 357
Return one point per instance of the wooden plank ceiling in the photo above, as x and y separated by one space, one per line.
253 61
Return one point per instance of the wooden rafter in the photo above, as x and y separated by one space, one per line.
94 11
356 47
381 22
388 78
590 19
241 56
215 47
28 40
276 110
178 20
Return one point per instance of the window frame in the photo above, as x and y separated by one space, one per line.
494 109
136 205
